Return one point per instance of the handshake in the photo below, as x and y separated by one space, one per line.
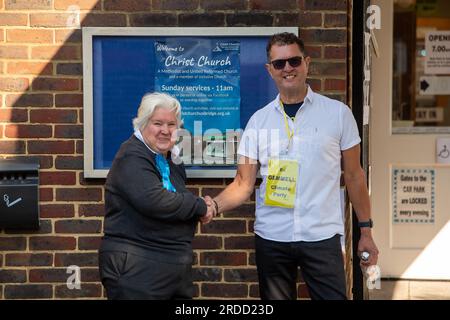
212 211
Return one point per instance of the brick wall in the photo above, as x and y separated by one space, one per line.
41 115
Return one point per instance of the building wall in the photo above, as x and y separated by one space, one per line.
41 114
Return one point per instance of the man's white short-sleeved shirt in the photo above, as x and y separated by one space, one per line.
322 129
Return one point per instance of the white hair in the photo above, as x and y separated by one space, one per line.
149 103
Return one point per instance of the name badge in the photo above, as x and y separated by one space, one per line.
281 183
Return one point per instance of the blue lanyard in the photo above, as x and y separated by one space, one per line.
164 170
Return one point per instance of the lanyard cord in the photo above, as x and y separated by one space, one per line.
289 132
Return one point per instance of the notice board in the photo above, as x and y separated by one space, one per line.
217 74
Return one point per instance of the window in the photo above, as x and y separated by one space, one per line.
421 68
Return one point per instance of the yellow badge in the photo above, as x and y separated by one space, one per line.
281 183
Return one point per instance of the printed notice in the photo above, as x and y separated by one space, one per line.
204 75
437 46
413 195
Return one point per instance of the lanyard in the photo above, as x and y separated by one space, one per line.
289 132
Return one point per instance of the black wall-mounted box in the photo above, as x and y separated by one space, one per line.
19 193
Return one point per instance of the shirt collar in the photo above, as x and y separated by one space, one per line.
308 98
175 151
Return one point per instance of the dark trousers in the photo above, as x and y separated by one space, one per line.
128 276
320 262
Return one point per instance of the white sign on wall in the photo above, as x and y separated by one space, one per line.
434 85
443 150
437 46
413 196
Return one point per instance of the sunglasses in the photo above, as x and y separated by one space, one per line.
294 62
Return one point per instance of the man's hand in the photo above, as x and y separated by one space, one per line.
367 244
211 212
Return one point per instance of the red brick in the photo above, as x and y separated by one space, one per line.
316 84
207 242
12 243
69 131
79 226
89 243
29 35
29 100
327 69
28 291
65 52
13 52
25 67
224 290
240 242
28 4
207 274
53 116
249 19
28 259
212 192
91 210
12 147
332 52
223 4
14 84
103 20
13 115
336 84
314 51
310 19
273 5
76 194
45 227
175 5
254 291
335 20
87 290
90 274
45 194
13 19
201 20
326 5
82 4
50 147
286 20
68 162
56 84
129 5
79 147
49 19
325 36
223 258
52 243
241 275
57 178
90 182
68 35
78 259
224 226
69 100
28 131
69 69
48 275
57 210
153 20
243 211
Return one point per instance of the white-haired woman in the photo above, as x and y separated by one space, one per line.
150 216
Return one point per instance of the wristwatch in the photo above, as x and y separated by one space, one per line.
365 224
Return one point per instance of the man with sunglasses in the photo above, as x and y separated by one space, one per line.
299 141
